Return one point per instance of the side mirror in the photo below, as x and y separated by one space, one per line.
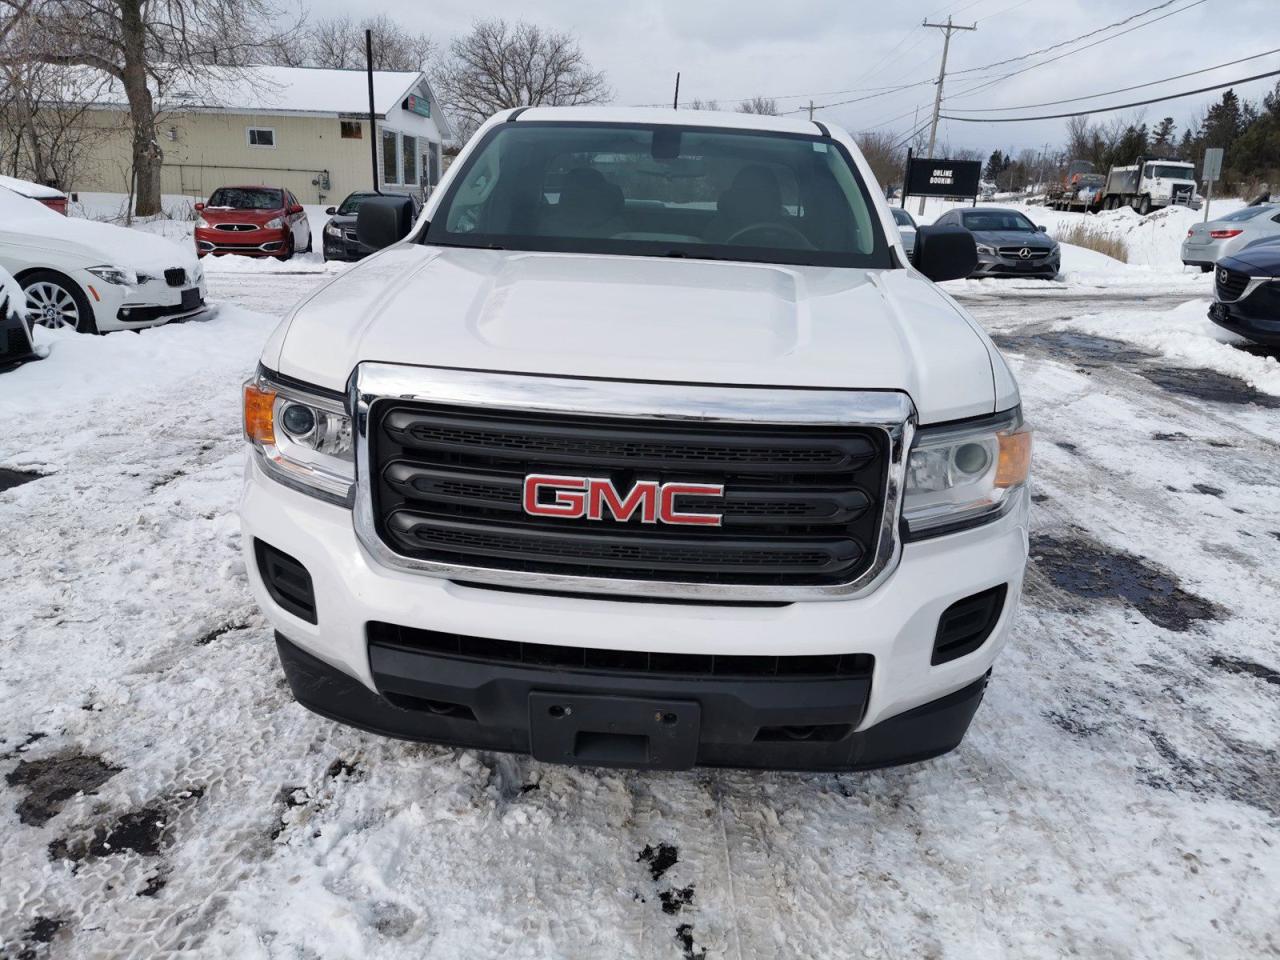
382 221
199 207
1042 228
295 208
330 211
945 253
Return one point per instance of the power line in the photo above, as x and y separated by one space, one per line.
1064 43
947 29
1120 106
1136 86
1062 56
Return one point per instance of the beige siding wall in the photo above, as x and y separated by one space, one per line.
203 151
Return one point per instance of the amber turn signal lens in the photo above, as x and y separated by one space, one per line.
258 422
1015 459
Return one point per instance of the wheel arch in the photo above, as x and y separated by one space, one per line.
91 300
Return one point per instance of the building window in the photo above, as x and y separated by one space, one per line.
409 160
351 129
262 136
390 157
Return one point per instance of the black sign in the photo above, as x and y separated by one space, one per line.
943 178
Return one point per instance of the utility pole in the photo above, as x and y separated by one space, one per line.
373 118
947 28
810 111
675 101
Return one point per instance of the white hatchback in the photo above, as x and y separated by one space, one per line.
95 277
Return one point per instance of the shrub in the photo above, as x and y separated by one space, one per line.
1095 238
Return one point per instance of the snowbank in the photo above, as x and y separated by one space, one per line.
1185 333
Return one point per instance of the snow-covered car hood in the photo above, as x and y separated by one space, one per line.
640 318
96 243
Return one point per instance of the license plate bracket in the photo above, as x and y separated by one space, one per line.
191 298
610 731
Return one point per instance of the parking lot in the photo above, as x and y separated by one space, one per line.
1117 796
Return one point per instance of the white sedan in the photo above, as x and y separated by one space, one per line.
95 277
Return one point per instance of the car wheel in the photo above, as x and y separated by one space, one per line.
308 247
1206 268
1144 206
288 248
56 302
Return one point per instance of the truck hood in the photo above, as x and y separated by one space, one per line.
641 318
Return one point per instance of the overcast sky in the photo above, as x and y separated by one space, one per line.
731 50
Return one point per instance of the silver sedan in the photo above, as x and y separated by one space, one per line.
906 228
1207 243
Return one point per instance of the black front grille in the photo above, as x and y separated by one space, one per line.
1033 253
1231 284
674 665
801 505
235 227
175 276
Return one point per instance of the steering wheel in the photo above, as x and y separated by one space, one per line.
777 229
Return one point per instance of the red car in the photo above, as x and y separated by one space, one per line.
55 200
254 222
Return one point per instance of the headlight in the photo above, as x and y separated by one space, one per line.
962 476
332 230
300 437
202 224
983 248
114 275
275 223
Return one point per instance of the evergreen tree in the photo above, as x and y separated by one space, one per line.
1224 121
1162 136
996 165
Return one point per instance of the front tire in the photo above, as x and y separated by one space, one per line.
1144 206
308 248
57 302
288 249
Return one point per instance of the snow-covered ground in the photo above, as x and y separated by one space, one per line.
1117 797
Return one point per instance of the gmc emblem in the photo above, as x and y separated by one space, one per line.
572 498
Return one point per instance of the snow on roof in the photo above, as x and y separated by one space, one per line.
34 190
267 89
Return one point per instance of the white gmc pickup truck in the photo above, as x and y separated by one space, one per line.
647 446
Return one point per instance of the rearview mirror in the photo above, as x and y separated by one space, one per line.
382 221
945 253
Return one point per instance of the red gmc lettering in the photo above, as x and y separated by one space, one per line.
576 497
570 495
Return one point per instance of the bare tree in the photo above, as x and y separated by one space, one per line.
885 153
146 46
697 103
765 106
339 42
499 65
43 133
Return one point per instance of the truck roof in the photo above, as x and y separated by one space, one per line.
684 118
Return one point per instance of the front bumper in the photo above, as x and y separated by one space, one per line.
248 243
896 625
344 247
1256 317
147 304
990 265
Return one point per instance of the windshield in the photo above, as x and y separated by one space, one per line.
1170 171
997 220
902 218
352 203
659 190
247 198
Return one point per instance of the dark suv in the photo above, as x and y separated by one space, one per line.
340 241
1247 293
